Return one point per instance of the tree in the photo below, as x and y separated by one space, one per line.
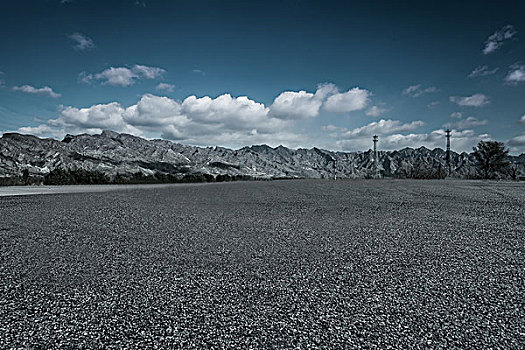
25 176
491 157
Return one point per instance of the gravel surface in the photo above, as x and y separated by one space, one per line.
278 264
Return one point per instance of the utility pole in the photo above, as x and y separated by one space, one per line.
447 159
376 160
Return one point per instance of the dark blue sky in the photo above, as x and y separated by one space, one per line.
398 69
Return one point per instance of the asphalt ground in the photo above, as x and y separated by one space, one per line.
274 264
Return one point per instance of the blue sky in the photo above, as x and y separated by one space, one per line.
299 73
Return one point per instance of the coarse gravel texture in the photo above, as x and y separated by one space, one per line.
280 264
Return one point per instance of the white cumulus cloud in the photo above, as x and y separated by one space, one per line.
461 141
517 141
482 71
82 42
230 112
468 123
418 90
375 111
146 72
123 76
495 41
295 105
46 90
332 128
119 76
352 100
382 127
476 100
96 117
152 111
292 105
301 104
165 87
516 74
42 129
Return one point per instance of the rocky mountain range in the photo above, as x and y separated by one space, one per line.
112 153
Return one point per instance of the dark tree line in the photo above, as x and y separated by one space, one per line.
75 177
86 177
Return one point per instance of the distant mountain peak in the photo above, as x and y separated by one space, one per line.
110 134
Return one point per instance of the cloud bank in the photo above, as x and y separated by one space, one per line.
461 140
236 121
224 120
